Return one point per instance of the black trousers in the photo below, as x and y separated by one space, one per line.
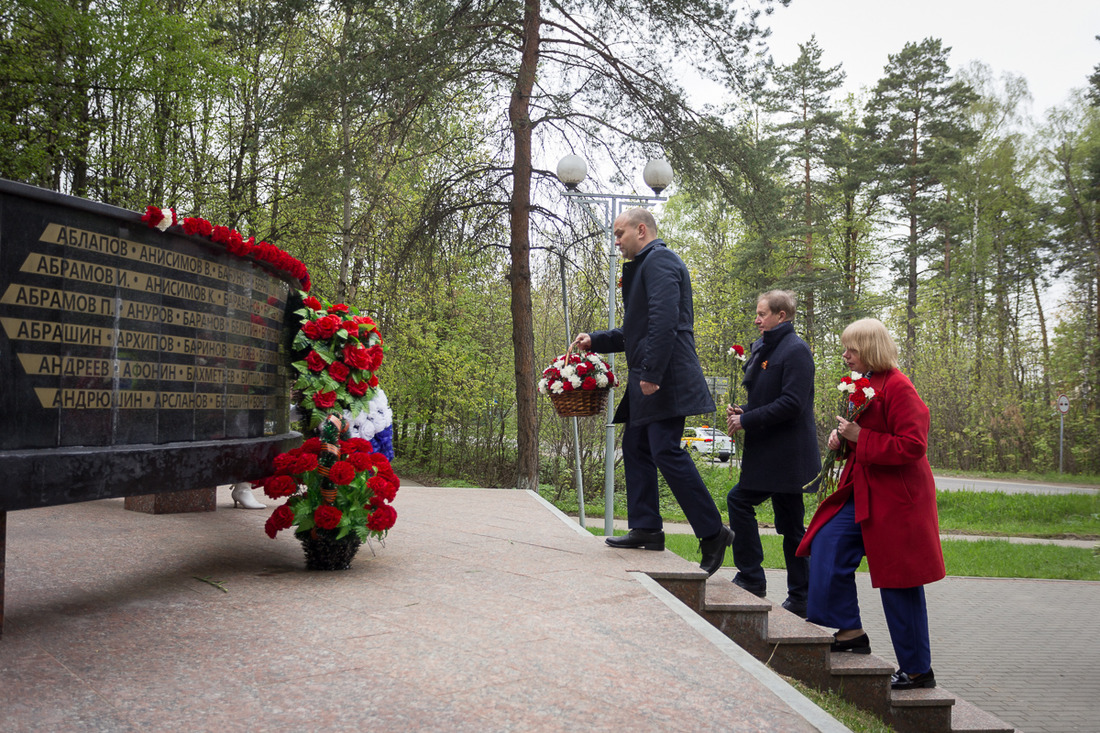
748 554
656 446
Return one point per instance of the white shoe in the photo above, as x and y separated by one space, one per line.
242 495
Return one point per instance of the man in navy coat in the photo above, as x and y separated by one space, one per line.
664 385
780 451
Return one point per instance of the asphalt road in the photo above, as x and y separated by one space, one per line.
950 483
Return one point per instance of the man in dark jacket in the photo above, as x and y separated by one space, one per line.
664 385
779 452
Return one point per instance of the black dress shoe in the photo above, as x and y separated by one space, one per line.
902 681
859 645
798 608
639 539
757 590
714 550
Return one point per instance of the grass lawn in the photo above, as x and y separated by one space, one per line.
1054 516
991 558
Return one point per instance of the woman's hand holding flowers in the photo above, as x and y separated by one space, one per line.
845 429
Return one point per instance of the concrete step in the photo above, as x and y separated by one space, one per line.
794 647
798 648
969 718
737 613
917 711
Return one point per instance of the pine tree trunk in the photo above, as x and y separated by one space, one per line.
523 338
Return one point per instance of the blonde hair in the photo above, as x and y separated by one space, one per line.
869 338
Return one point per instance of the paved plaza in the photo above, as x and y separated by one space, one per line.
485 610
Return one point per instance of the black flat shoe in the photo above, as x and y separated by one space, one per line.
757 590
799 609
903 681
714 550
859 645
639 539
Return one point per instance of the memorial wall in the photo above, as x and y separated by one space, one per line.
129 355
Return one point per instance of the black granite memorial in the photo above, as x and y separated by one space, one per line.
132 361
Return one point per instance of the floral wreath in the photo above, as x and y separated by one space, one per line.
340 352
334 487
572 371
232 240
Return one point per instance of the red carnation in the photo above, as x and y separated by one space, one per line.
360 460
338 308
281 518
589 383
324 400
197 225
277 487
356 445
382 518
339 371
220 234
380 461
341 473
152 216
358 389
382 487
295 462
316 362
327 517
313 303
311 445
373 381
285 462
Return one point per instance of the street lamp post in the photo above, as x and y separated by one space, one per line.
604 209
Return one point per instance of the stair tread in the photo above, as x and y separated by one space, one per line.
784 627
846 663
969 718
925 697
722 595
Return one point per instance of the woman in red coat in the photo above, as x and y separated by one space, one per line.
884 508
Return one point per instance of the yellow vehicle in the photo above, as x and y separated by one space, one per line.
708 440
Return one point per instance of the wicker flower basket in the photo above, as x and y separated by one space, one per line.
580 402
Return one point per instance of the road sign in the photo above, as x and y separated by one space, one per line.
1063 404
718 384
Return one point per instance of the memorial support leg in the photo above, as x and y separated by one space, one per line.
174 502
3 556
